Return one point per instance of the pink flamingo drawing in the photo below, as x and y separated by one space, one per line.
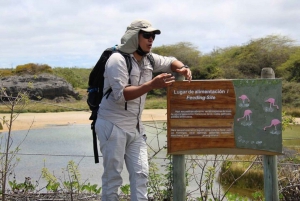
246 114
274 123
243 98
272 102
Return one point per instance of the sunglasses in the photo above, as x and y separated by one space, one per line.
147 35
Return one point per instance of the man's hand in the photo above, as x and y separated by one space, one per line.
162 80
186 72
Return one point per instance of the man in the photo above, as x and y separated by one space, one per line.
118 126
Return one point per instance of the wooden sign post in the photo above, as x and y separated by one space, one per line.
270 162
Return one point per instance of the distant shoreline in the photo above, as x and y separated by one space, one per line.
27 121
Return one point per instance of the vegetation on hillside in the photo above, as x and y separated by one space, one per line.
236 62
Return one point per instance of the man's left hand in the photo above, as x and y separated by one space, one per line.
186 72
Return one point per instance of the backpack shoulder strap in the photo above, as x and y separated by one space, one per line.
129 68
128 64
151 59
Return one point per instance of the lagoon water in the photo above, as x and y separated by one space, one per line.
53 147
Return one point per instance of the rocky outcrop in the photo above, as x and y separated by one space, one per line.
38 86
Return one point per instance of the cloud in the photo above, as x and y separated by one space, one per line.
74 32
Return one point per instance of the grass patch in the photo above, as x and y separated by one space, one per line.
70 104
44 107
47 106
156 103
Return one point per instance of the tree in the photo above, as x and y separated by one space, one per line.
270 51
247 61
290 70
183 51
221 63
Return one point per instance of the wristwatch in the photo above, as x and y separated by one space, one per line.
184 66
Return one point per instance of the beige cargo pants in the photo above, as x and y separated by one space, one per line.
116 147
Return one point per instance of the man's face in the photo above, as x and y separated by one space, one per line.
145 40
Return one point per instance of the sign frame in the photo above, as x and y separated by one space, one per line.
212 117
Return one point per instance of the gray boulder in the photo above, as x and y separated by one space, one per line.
39 86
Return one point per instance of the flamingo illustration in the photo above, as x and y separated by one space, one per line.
274 123
272 102
243 98
246 114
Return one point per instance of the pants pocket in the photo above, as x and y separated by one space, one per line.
104 131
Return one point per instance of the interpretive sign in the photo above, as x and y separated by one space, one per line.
225 117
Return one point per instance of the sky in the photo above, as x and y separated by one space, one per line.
74 33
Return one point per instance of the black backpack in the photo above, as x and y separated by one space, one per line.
96 84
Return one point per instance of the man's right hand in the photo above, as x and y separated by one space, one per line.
162 80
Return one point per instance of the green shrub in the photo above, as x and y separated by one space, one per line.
33 69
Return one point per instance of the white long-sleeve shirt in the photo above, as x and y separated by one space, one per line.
116 77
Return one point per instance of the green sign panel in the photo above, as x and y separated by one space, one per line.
258 114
